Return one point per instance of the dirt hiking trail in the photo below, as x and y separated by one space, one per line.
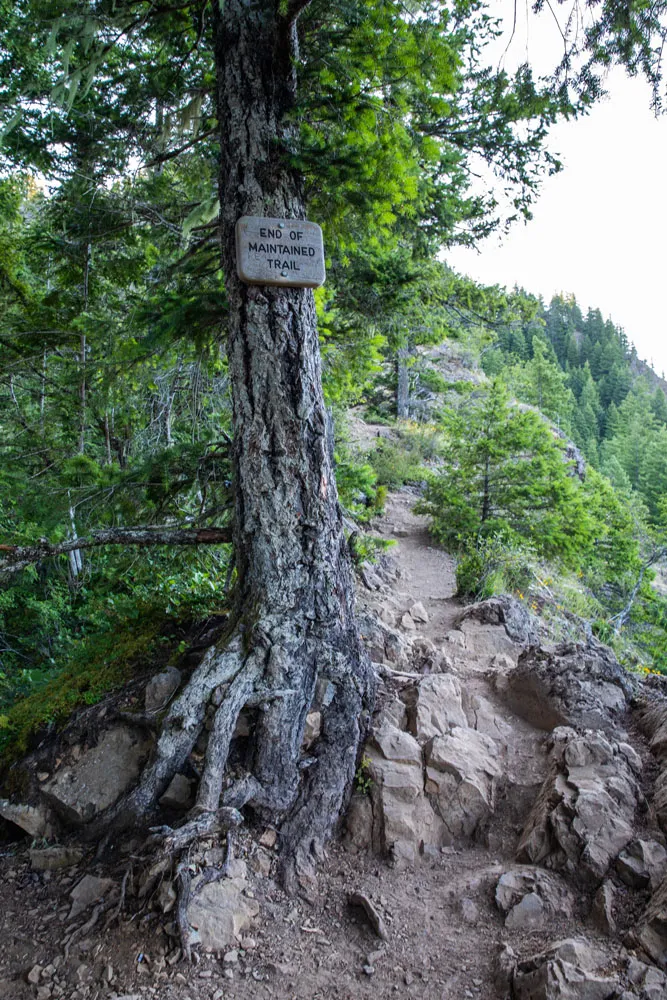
443 930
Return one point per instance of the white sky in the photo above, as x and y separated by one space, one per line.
599 227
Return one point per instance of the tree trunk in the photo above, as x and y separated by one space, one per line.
107 438
402 384
295 590
292 641
82 355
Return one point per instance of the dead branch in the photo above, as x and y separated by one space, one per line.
19 556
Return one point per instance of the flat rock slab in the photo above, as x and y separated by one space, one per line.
439 706
52 858
462 770
88 891
84 788
221 911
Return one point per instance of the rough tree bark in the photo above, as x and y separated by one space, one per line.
292 632
295 590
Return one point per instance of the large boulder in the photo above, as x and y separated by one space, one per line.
85 786
568 970
404 823
642 864
583 816
462 772
571 685
520 626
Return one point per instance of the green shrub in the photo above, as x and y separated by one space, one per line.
498 565
358 489
433 380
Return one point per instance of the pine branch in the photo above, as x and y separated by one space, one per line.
19 556
172 154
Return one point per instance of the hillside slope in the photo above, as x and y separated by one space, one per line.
456 777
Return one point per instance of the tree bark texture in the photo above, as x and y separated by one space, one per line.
292 642
295 587
402 384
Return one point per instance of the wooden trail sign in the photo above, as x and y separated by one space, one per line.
279 252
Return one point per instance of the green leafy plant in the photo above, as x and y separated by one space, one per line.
363 782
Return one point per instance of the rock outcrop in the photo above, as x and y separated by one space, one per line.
433 769
584 813
647 982
568 970
652 930
521 627
571 685
653 719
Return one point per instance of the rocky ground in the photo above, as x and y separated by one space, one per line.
506 839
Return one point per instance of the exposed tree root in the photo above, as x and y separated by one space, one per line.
184 882
300 795
180 730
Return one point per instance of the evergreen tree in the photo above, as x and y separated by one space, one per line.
585 422
653 474
572 352
504 472
637 428
612 421
659 406
543 384
369 119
